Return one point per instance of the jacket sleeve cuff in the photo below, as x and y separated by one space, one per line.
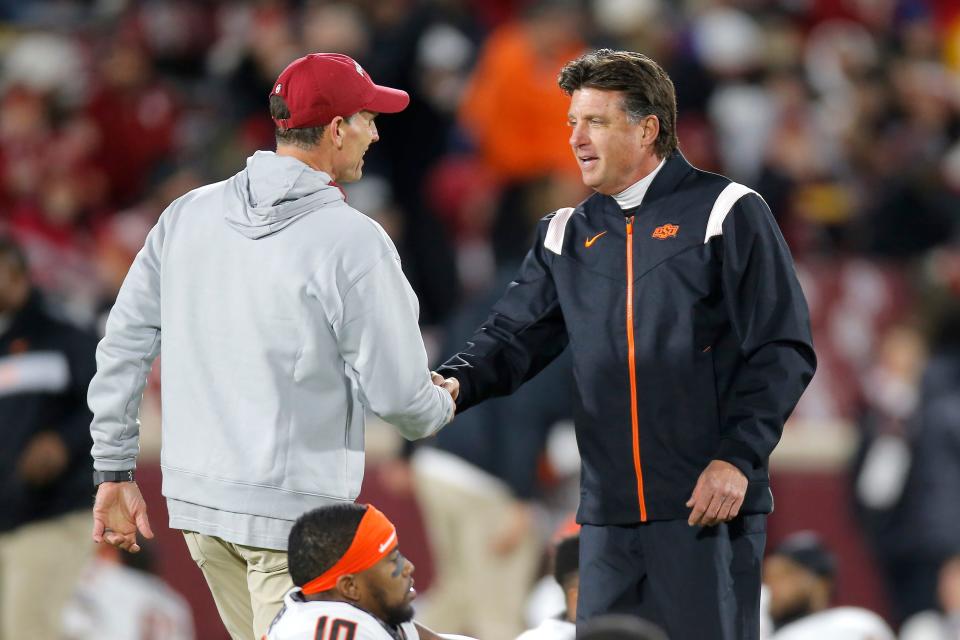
737 454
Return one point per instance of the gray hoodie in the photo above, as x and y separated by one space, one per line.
283 313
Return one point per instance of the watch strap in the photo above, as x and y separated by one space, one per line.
99 477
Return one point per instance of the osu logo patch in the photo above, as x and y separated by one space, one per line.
665 231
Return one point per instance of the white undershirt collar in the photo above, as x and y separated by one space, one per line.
632 196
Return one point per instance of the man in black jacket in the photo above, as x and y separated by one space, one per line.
691 345
45 367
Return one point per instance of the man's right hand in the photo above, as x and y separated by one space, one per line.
452 385
718 496
118 513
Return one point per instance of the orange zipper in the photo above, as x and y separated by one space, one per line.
635 422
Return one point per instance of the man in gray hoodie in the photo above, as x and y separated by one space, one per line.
283 314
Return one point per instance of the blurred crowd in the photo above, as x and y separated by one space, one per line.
844 115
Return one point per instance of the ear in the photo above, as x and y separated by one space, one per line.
336 133
651 129
348 586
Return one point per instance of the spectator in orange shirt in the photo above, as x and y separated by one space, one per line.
512 108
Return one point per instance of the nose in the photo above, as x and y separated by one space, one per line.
375 135
578 135
408 568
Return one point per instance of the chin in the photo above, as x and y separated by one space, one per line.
604 189
399 614
591 182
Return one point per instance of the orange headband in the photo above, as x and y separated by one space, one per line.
374 539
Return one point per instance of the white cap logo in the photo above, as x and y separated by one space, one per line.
277 88
359 68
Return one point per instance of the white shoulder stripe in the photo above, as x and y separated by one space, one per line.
556 229
725 201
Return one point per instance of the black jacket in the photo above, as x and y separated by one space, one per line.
45 367
506 436
689 334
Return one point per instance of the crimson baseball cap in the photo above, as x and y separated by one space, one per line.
321 86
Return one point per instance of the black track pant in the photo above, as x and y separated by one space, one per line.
697 583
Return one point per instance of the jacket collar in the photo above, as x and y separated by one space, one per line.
674 171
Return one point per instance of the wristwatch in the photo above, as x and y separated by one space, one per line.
99 477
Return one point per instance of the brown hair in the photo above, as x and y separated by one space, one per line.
303 138
648 90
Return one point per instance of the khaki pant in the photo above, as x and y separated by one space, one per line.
247 583
474 592
40 564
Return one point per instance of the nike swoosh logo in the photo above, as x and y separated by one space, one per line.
385 545
589 241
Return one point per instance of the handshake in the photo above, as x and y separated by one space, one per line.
452 385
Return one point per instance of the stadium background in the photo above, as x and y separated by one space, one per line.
844 114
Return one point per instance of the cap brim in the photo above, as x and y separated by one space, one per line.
387 100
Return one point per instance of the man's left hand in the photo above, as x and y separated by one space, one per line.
119 512
718 495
